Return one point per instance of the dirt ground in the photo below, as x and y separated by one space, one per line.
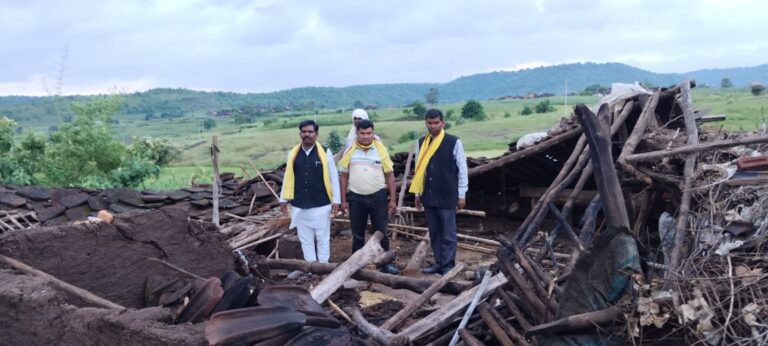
379 302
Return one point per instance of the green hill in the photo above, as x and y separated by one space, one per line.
41 113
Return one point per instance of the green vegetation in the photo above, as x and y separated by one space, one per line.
334 141
544 107
432 96
726 83
756 89
526 110
473 110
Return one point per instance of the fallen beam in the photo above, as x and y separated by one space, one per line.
695 148
576 322
478 213
77 291
397 319
368 254
442 316
538 148
394 281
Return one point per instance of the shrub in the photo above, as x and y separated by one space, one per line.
473 110
408 136
544 107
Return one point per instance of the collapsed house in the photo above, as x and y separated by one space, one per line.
633 225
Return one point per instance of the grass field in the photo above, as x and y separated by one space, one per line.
266 142
266 146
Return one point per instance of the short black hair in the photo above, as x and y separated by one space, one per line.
364 124
433 113
304 123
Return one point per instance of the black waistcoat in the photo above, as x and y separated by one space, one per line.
309 188
441 183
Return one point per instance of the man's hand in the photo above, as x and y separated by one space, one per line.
461 203
345 208
418 203
392 207
334 209
284 208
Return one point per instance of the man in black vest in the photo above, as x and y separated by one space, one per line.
311 186
440 189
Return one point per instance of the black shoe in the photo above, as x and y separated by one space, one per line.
435 269
389 268
445 270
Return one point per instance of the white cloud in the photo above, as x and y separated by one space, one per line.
268 45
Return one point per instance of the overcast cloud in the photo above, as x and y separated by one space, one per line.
265 45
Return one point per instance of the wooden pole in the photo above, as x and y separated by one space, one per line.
638 132
679 249
393 281
442 316
77 291
370 253
698 147
577 322
478 213
494 325
472 305
520 154
397 319
216 180
417 260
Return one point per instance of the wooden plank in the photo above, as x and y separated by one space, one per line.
538 148
695 148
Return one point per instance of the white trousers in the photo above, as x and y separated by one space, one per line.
313 225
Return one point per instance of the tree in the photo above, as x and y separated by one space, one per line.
756 88
544 107
358 104
526 110
473 110
726 83
208 124
431 96
334 141
419 109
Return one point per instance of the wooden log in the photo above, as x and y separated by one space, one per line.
74 290
566 226
441 317
216 180
397 319
368 254
599 136
260 241
538 148
478 213
494 325
680 248
638 132
459 245
512 307
533 278
472 305
393 281
381 336
458 235
249 238
690 148
469 339
530 297
506 326
417 260
404 184
577 322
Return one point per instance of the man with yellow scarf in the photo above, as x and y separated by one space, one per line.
311 187
440 184
365 171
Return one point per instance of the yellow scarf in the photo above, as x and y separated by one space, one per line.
289 179
386 161
427 150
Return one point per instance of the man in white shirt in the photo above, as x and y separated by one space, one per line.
311 187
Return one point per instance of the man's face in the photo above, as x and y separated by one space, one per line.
356 120
365 136
434 125
308 136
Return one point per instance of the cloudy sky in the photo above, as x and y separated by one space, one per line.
266 45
